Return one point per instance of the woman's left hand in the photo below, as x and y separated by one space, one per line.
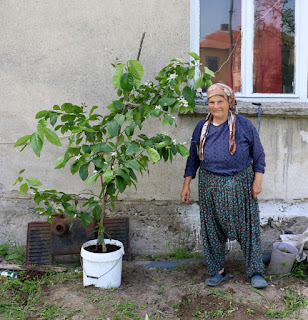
256 187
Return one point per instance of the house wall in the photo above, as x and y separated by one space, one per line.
53 52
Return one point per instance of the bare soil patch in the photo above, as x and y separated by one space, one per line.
163 294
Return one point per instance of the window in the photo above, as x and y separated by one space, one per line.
258 47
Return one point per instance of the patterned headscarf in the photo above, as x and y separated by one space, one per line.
227 93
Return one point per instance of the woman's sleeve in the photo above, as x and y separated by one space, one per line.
257 150
193 161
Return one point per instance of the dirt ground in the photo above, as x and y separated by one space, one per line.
178 293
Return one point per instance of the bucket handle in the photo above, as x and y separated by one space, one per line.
92 277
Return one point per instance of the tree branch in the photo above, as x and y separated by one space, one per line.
140 47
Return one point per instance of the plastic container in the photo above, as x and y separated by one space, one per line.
282 258
102 270
8 274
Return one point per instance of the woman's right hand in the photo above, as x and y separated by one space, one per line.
185 194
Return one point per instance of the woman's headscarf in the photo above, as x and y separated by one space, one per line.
227 93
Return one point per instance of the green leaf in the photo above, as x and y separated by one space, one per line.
34 182
189 94
85 218
168 118
108 176
183 150
24 188
102 147
119 105
117 75
194 55
41 127
165 101
98 162
163 144
127 82
92 178
133 164
119 118
53 119
97 212
74 167
136 69
199 83
191 73
122 173
121 185
52 137
60 162
21 171
101 239
19 179
120 140
84 171
112 108
67 107
132 148
154 155
92 109
112 127
56 107
41 114
36 143
22 140
208 71
110 189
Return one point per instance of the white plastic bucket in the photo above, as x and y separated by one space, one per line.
282 262
103 270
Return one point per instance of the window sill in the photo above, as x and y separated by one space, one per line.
275 109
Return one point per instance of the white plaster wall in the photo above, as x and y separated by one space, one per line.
53 52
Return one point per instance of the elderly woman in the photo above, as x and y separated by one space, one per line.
227 148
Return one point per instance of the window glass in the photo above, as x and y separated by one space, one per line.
273 67
220 40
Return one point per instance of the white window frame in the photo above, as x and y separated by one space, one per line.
301 52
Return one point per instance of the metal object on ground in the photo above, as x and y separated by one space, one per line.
66 236
8 274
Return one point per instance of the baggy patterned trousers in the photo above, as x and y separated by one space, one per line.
227 211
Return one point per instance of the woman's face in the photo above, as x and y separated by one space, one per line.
219 108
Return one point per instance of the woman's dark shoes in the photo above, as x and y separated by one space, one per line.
216 279
257 281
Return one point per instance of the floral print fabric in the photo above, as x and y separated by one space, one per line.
228 211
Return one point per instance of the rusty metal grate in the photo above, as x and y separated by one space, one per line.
45 240
38 243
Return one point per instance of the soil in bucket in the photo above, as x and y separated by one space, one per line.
98 249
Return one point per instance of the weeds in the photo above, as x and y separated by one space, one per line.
181 249
300 269
126 310
13 253
293 302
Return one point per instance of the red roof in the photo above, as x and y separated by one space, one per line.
219 39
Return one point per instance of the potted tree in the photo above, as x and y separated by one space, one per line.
111 149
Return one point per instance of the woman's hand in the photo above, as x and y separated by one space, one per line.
185 194
256 187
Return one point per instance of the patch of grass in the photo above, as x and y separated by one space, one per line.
126 310
300 269
219 313
225 295
293 302
22 298
181 250
13 253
